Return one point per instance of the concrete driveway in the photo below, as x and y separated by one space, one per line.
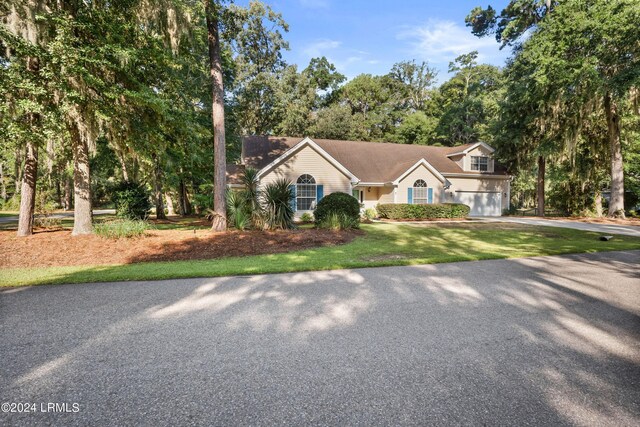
627 230
538 341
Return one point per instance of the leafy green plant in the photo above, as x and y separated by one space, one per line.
252 198
339 203
306 217
276 201
132 200
237 210
431 211
338 221
121 228
370 213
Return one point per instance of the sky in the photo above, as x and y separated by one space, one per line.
360 36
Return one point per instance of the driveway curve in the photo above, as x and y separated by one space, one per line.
627 230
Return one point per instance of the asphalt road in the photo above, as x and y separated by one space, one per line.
69 214
538 341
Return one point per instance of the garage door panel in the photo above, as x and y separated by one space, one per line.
481 203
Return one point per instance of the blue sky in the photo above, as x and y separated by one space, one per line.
370 36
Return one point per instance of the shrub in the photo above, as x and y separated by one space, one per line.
119 228
306 217
338 221
276 199
370 213
132 200
338 203
237 210
44 210
432 211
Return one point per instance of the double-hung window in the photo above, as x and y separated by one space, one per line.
420 192
479 163
306 193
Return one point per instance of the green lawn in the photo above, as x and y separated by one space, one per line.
381 245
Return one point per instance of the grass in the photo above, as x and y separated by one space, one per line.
381 245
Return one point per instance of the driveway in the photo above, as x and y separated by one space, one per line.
537 341
627 230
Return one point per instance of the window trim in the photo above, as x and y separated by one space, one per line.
480 162
418 188
314 184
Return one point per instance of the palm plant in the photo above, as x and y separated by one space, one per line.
237 212
276 198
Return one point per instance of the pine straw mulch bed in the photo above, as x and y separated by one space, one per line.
59 248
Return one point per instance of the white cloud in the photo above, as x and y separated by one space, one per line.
320 47
442 41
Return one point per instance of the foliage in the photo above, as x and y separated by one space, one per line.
131 200
370 213
121 228
276 199
342 204
338 221
430 211
306 217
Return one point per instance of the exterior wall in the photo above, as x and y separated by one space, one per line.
478 151
479 184
371 195
385 194
421 172
309 161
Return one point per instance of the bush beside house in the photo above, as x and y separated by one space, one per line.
430 211
337 211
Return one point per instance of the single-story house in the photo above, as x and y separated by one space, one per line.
376 172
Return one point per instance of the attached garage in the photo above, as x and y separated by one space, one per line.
482 203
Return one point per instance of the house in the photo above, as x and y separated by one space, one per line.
378 172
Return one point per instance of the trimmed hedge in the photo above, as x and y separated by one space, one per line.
337 203
432 211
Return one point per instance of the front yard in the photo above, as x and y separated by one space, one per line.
378 245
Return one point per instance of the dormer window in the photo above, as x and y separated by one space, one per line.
479 163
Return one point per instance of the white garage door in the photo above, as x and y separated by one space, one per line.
482 203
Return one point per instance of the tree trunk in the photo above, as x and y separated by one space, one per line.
616 200
540 185
170 209
3 190
67 193
217 116
81 184
28 193
598 203
158 188
185 206
18 170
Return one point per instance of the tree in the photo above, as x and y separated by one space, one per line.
212 12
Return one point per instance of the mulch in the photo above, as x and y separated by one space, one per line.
59 248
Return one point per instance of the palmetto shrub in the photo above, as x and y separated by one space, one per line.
342 204
276 202
237 210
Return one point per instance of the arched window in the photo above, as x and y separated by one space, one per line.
420 192
306 192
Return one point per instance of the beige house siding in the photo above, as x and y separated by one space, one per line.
385 194
478 184
309 161
480 150
421 172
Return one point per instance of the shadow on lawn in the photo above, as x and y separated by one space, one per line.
543 340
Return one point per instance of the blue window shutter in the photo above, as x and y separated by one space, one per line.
293 198
410 195
430 195
319 192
